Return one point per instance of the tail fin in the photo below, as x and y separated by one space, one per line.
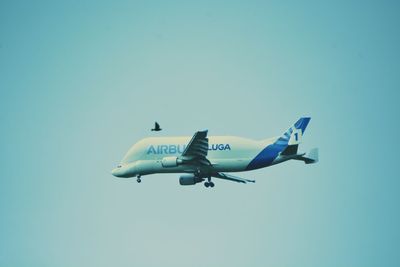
285 145
294 135
297 131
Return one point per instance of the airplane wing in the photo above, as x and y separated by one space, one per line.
197 149
229 177
196 152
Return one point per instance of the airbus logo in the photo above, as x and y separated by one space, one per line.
173 149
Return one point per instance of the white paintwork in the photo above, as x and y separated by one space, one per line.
137 161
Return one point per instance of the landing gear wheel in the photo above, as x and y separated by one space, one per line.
138 179
209 183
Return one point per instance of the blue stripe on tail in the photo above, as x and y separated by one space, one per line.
302 123
271 152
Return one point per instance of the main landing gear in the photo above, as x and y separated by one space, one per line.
138 179
209 183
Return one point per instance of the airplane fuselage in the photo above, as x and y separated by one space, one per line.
226 154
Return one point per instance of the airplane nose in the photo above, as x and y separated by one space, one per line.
116 172
123 171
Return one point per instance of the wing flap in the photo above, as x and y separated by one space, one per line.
233 178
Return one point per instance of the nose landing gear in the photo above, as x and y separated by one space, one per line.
138 179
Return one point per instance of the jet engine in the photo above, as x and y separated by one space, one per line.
190 179
168 162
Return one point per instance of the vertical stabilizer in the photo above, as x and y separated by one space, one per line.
286 144
297 131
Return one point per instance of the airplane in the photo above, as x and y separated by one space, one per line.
201 158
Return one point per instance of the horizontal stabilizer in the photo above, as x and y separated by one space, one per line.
310 157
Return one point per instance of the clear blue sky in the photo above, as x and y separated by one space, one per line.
81 81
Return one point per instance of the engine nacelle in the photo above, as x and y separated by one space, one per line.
168 162
190 179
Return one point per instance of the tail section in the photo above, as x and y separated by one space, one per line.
293 136
297 131
310 157
284 148
296 135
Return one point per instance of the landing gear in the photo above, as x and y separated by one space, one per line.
209 183
138 179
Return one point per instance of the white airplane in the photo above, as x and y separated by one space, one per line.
201 158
